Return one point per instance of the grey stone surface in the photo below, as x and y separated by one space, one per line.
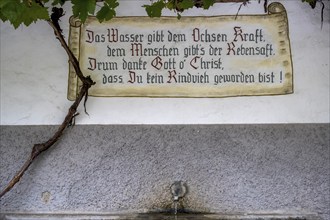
130 168
157 216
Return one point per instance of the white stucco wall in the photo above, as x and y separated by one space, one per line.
34 72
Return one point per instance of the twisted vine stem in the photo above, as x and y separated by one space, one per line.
87 82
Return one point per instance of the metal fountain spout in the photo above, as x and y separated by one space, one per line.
178 190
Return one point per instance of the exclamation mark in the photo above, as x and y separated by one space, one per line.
281 77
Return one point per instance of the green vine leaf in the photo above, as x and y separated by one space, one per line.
10 10
185 4
208 3
170 5
105 13
34 12
2 17
22 12
112 3
155 10
82 9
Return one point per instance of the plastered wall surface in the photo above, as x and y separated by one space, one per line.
273 157
34 71
130 168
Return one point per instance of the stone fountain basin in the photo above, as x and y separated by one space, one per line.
159 216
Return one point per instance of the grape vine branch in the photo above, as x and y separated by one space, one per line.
87 83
